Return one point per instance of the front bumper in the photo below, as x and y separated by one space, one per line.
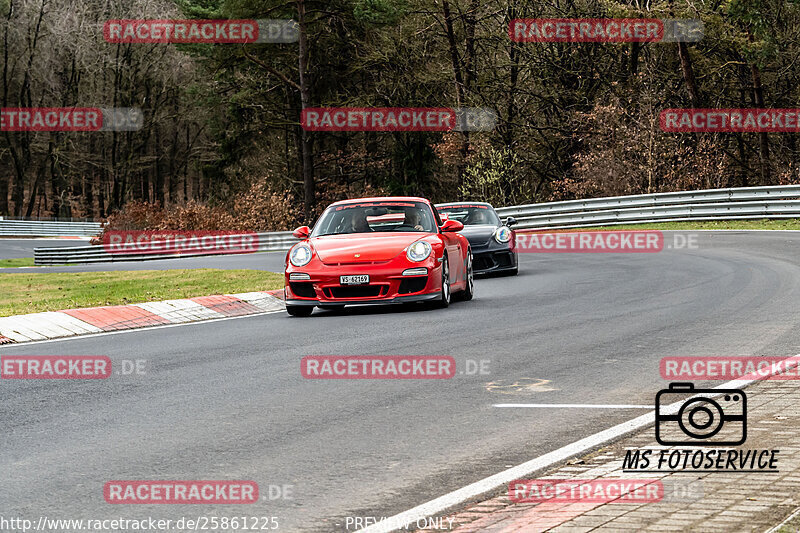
488 262
386 284
396 300
494 257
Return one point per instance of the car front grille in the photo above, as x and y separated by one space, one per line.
356 291
492 260
482 262
503 259
303 289
410 285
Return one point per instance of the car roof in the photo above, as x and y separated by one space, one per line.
383 199
456 204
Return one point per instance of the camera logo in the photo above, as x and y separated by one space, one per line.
701 419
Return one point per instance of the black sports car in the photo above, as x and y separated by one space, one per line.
491 240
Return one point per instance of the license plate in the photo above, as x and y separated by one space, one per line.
354 280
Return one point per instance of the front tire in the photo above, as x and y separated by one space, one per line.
444 300
300 310
469 290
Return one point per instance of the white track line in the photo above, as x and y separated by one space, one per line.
574 405
544 462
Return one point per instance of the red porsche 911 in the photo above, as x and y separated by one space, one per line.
377 251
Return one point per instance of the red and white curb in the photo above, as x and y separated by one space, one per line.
71 322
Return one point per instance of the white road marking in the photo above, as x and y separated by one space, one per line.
443 503
575 405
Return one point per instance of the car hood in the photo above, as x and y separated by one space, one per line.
369 247
478 235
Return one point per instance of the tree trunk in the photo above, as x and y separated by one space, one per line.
305 102
4 194
686 67
507 130
634 62
688 75
451 40
459 78
758 100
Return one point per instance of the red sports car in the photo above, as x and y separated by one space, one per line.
377 251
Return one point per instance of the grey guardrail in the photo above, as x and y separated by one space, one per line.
614 217
36 228
740 194
281 240
713 204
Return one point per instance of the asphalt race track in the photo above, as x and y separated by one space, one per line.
15 248
225 399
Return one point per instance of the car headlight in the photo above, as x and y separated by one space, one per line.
418 251
502 235
301 255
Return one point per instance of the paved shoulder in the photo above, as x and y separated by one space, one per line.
708 488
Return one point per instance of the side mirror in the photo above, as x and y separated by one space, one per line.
301 233
452 225
510 221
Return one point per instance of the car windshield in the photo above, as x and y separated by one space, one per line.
471 215
370 217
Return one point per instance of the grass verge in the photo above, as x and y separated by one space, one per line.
22 293
18 262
